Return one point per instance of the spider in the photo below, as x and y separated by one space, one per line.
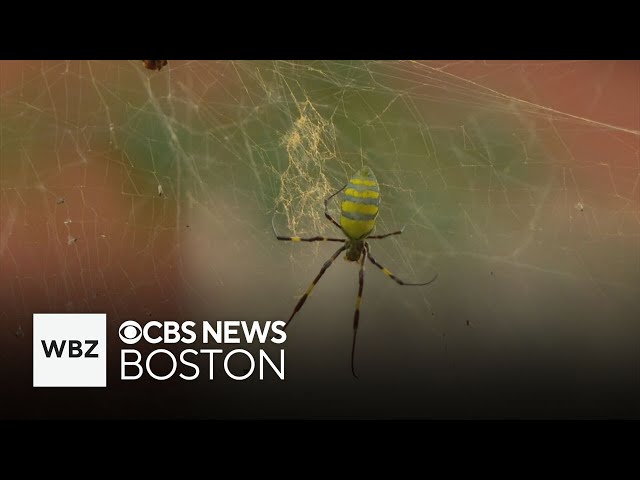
358 213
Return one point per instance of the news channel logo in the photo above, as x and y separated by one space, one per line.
69 350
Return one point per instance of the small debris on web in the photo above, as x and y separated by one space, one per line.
160 191
60 201
71 240
19 332
67 221
580 206
154 64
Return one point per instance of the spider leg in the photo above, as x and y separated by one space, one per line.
378 237
300 239
391 275
324 268
356 315
326 208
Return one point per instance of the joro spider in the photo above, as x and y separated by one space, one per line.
358 213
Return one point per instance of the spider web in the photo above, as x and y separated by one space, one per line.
151 194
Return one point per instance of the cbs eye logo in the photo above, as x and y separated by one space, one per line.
130 332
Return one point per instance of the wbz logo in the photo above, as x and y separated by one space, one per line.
69 350
75 348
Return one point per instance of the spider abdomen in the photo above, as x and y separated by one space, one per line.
360 205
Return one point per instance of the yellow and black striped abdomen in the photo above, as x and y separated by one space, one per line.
360 204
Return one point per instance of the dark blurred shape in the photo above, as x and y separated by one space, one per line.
154 64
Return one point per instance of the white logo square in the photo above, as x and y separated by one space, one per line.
69 350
